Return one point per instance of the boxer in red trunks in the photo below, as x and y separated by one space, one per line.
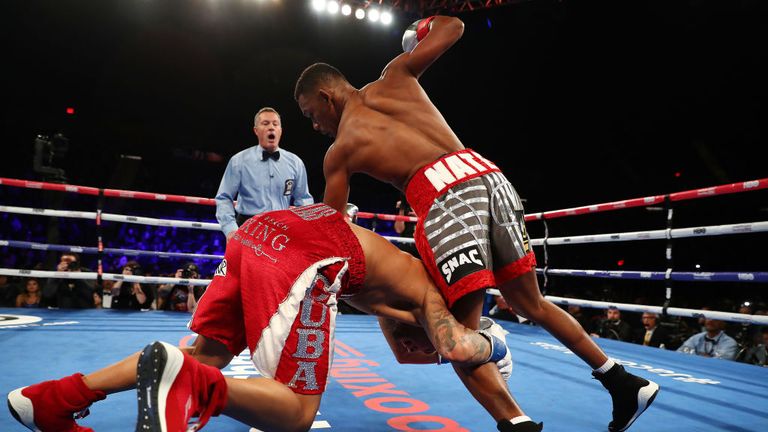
275 292
471 232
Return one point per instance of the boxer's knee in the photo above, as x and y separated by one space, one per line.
210 352
522 294
305 417
534 309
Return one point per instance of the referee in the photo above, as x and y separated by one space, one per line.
261 178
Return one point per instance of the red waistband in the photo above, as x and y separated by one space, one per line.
433 179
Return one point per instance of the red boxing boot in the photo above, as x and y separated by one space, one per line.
173 387
52 406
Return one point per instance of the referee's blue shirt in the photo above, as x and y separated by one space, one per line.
260 185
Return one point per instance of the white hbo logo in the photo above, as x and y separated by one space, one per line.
221 270
16 320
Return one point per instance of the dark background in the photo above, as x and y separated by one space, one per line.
579 102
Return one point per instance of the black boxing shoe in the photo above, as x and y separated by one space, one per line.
631 395
526 426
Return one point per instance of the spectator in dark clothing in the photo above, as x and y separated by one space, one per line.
578 314
8 292
652 333
68 293
131 295
613 327
30 298
758 353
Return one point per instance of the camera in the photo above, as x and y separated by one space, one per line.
73 266
49 152
189 271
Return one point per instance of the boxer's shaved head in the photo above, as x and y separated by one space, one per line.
314 76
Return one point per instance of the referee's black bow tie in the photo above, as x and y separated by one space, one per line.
266 155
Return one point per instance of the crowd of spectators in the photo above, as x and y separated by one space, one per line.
63 293
701 336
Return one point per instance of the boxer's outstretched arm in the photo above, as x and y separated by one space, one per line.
444 31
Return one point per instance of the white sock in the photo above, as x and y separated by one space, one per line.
606 366
520 419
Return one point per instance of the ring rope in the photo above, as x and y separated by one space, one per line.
701 231
712 230
690 313
112 217
112 193
725 316
94 250
404 240
44 274
668 274
706 192
744 186
387 217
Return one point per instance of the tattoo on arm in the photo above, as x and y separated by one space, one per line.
450 335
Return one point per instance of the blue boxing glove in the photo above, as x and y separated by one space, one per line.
500 353
416 32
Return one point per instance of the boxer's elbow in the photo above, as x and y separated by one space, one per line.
452 26
465 351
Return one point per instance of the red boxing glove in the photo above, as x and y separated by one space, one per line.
415 33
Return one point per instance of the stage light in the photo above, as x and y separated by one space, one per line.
620 263
70 111
359 14
373 15
346 10
386 18
333 7
318 5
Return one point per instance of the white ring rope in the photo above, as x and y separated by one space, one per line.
752 277
113 217
43 274
703 231
405 240
110 251
689 313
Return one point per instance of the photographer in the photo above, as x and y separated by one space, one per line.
612 326
181 298
131 295
68 293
